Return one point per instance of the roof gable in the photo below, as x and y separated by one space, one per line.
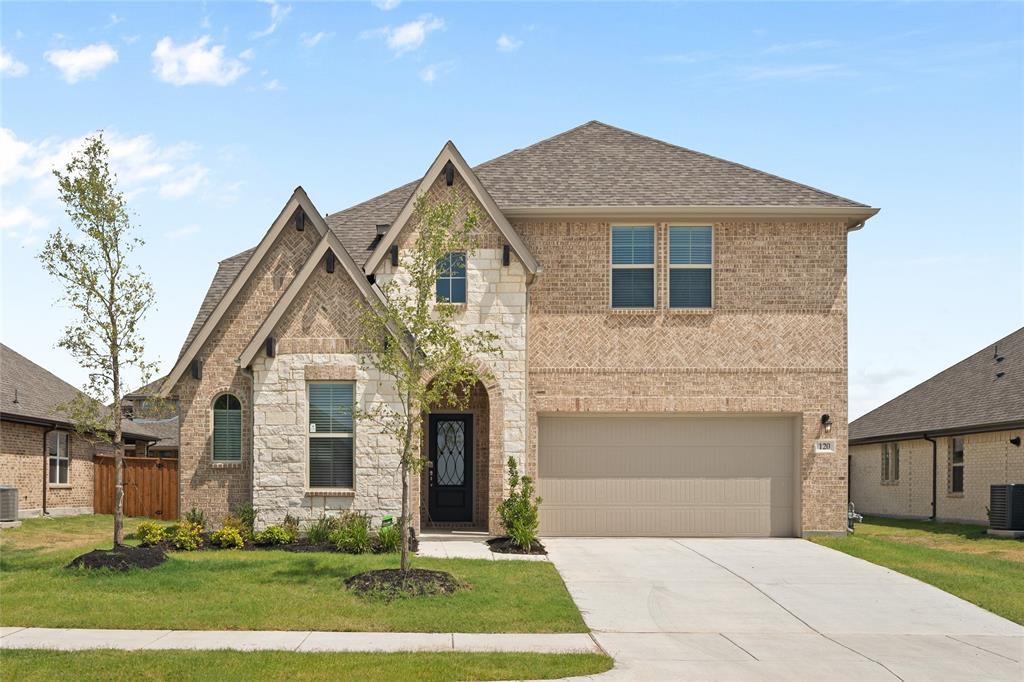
970 395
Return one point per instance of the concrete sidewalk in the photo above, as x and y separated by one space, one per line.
73 639
466 545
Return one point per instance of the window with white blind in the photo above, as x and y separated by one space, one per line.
890 462
227 429
331 435
632 255
690 267
956 465
59 457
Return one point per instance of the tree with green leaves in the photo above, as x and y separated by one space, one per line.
108 295
411 338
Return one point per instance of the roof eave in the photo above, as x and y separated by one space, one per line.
855 216
1011 425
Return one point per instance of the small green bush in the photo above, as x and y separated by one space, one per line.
246 515
390 538
227 538
519 512
353 534
291 526
188 536
273 535
237 524
150 533
196 516
320 531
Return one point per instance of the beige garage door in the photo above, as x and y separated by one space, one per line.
666 475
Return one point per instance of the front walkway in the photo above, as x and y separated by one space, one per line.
787 609
71 639
442 544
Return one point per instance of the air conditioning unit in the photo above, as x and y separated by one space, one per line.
1006 507
8 503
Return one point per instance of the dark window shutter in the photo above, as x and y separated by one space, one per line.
227 429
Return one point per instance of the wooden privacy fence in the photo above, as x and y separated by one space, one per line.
150 487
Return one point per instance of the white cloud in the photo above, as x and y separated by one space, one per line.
21 216
273 85
799 71
315 39
507 43
75 65
785 48
183 231
195 63
431 73
247 54
11 67
114 20
277 15
386 5
130 40
184 182
409 36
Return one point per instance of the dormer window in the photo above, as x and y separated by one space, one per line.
451 278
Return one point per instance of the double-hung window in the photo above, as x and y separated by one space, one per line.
331 435
956 465
633 267
689 267
59 457
451 278
890 462
227 429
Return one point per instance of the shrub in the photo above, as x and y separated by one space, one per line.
353 533
273 535
237 524
390 538
197 517
150 533
321 530
519 511
246 515
188 536
291 526
228 538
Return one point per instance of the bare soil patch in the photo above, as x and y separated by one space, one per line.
392 583
120 558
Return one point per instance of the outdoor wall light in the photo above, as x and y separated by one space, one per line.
1015 441
826 422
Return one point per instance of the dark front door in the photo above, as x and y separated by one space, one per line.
451 467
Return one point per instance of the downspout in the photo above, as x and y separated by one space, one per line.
46 471
935 472
252 425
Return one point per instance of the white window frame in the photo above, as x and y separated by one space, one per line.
334 434
890 463
653 267
66 457
957 465
671 267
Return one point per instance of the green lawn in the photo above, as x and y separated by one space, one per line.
955 557
182 666
260 590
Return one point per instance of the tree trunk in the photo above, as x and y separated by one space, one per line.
406 517
118 459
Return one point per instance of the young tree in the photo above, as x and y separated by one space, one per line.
412 338
108 295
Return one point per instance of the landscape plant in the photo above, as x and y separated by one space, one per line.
520 511
291 526
246 515
353 534
188 536
412 339
227 538
273 535
320 531
150 533
389 539
108 295
244 530
196 516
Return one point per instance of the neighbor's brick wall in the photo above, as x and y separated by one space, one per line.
989 459
218 487
21 465
775 342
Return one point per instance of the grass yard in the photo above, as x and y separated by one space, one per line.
259 590
29 665
955 557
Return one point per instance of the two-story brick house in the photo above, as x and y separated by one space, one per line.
673 332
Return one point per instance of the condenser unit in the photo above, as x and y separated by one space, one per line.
8 503
1006 507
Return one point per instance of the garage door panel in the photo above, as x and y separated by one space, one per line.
666 475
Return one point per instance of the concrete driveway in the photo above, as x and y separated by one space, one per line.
775 609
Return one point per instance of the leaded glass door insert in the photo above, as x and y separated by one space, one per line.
451 460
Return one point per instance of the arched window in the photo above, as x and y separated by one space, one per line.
227 429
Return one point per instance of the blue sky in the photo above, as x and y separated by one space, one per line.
216 111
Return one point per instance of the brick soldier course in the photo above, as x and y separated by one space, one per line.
774 341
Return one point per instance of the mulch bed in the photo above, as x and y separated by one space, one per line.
391 583
505 545
121 558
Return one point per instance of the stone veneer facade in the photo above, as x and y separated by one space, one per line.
989 459
775 343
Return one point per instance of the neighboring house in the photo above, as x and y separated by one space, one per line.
155 416
934 451
673 329
41 455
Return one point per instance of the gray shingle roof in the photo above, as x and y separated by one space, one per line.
594 164
967 396
29 391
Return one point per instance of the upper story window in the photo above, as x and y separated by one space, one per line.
227 429
890 462
451 278
331 435
956 465
690 268
59 457
633 267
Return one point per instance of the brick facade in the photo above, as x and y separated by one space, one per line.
22 465
989 458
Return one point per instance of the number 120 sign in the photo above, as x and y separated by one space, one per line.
824 447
